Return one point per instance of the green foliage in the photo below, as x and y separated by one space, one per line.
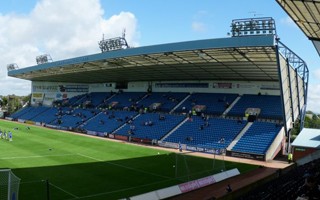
13 103
4 101
79 167
312 122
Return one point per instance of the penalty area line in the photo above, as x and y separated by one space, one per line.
65 191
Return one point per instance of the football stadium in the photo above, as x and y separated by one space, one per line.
171 121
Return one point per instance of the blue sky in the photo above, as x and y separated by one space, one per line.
69 28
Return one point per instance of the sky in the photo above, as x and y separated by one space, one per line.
70 28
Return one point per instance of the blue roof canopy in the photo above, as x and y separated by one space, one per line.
234 58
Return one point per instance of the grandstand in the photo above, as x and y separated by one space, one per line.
239 85
238 96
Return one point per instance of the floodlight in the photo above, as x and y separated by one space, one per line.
113 44
12 66
253 26
43 59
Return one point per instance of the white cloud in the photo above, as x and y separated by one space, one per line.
198 24
198 27
61 28
313 98
316 74
288 21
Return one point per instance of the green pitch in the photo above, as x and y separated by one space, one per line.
79 167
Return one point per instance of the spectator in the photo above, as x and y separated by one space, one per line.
290 157
162 117
180 147
184 109
222 140
228 188
206 124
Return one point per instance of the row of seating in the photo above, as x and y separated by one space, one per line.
108 121
211 103
212 132
257 138
206 132
151 125
201 131
215 103
271 107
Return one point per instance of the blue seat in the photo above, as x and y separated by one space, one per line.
257 138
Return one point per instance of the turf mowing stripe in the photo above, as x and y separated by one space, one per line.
123 166
42 156
92 158
121 190
59 188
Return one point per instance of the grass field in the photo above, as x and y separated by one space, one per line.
79 167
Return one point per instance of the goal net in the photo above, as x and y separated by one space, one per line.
9 185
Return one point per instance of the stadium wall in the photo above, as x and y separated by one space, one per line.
235 87
186 187
276 146
301 153
285 91
292 92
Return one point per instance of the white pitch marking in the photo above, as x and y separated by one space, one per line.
42 156
75 196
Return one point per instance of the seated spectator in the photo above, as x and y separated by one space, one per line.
206 124
162 117
130 132
184 109
203 116
222 140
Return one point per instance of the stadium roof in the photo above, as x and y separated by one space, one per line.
309 138
247 58
306 14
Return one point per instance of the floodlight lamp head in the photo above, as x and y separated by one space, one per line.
113 44
253 26
12 66
43 59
